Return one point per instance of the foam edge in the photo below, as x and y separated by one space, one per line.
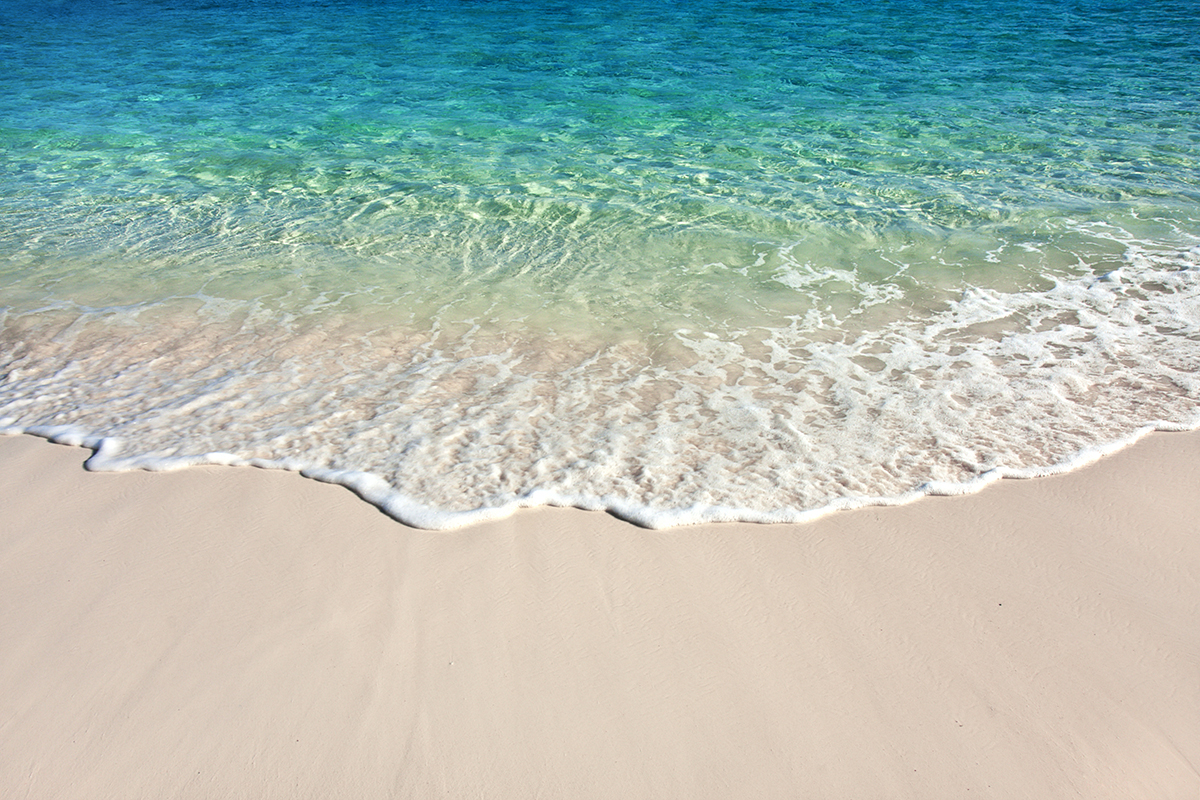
375 490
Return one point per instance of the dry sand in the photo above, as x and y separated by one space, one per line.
224 632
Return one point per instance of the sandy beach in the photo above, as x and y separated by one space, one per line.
232 632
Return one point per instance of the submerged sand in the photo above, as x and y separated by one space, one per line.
232 632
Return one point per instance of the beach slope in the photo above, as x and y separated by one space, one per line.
232 632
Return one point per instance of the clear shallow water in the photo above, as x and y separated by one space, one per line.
700 261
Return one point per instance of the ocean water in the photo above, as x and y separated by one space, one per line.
683 261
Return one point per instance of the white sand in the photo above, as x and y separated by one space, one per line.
227 632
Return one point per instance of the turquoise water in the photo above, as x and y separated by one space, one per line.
685 262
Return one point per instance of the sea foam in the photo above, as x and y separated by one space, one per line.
767 424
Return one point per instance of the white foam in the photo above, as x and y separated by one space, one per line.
768 420
379 493
730 422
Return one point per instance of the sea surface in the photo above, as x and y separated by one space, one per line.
683 261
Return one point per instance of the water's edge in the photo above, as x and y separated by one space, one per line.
407 511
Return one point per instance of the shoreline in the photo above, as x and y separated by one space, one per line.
409 513
758 427
251 633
